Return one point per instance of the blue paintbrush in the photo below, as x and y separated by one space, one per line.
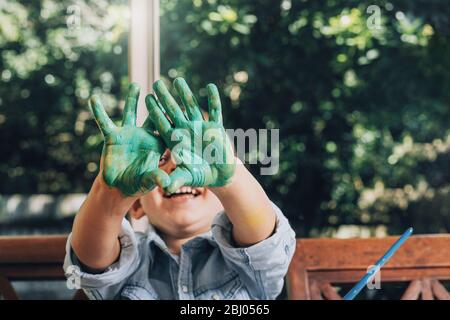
368 276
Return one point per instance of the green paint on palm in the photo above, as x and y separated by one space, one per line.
202 150
130 154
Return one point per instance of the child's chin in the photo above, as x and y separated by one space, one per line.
188 220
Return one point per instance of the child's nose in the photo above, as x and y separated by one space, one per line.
167 163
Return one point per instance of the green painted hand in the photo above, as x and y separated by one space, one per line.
130 154
200 148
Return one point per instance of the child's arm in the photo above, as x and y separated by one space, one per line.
128 169
247 206
97 225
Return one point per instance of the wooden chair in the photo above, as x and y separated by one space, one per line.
318 264
31 258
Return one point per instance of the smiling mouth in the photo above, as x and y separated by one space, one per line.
184 191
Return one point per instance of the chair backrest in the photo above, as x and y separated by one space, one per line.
320 264
31 258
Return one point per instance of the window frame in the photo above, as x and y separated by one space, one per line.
144 48
143 61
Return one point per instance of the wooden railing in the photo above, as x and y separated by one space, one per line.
319 265
31 258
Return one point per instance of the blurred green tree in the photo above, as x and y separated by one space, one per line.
359 89
54 54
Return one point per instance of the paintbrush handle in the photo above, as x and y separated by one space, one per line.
372 271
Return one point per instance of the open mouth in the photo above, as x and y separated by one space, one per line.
184 191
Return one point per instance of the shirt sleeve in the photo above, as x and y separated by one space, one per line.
107 284
263 265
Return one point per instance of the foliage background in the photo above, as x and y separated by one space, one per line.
363 112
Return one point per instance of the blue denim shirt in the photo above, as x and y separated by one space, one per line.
209 266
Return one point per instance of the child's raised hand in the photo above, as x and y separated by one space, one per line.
130 154
201 149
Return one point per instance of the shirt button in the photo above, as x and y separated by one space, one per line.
215 297
185 289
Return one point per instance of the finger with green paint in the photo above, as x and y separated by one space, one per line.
200 148
130 154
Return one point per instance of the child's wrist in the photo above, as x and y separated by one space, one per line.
112 198
222 190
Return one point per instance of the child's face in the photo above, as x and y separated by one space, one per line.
188 212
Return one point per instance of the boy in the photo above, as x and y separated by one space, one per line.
213 232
